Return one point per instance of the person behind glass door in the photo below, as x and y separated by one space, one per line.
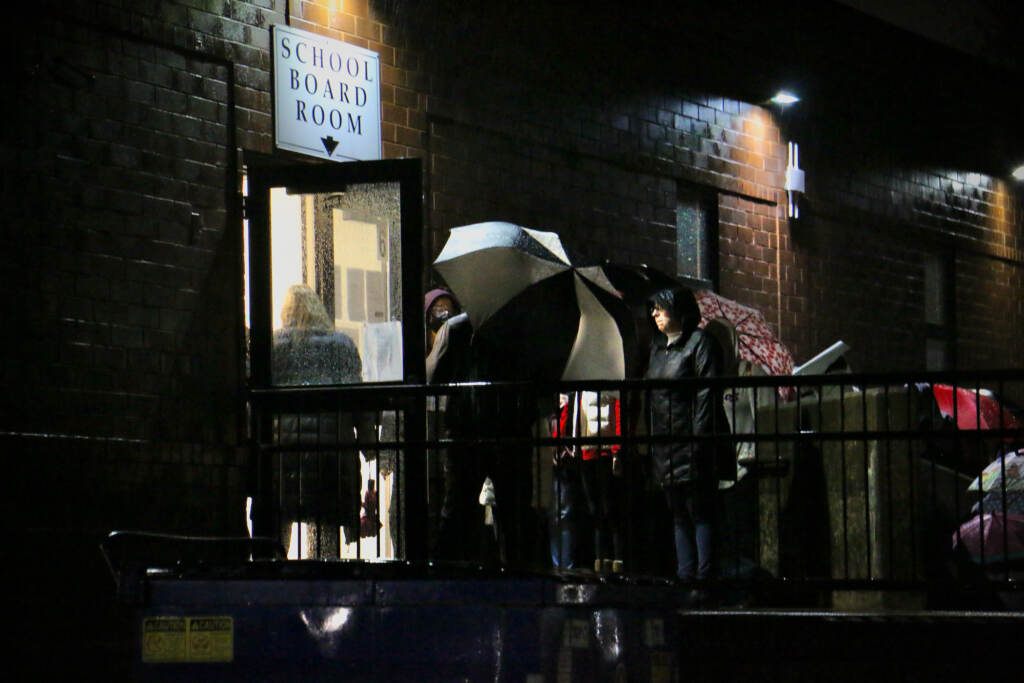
687 470
320 488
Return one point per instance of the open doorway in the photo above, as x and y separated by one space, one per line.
333 282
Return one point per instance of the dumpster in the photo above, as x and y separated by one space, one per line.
284 620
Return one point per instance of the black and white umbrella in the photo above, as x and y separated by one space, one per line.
524 296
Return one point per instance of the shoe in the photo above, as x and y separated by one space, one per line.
694 598
700 598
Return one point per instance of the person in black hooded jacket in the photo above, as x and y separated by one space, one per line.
687 470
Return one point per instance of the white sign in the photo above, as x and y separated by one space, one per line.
326 97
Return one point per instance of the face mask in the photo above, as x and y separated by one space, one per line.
438 319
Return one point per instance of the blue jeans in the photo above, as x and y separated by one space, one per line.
565 515
692 505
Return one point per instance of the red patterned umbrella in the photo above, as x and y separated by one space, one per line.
756 342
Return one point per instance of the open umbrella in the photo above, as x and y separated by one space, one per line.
975 409
992 477
992 537
755 340
532 307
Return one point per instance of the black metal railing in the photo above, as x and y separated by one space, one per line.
850 486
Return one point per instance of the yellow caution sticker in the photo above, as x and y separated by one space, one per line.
188 639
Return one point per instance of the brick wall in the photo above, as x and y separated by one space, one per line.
120 408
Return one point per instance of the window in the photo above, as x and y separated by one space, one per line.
938 312
697 236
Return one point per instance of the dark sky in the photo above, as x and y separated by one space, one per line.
987 28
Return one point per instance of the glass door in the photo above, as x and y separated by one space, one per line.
334 285
335 261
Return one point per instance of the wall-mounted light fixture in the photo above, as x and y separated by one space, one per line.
794 174
794 181
1018 173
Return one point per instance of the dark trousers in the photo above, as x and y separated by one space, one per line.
461 533
692 505
603 492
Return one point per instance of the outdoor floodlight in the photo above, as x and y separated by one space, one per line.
1018 173
783 97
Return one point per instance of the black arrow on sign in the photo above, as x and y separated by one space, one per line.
329 144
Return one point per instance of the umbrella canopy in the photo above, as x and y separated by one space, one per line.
638 283
992 477
996 501
992 537
756 342
487 264
974 408
542 316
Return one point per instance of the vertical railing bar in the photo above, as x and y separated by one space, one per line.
536 455
735 446
627 455
280 457
1000 449
914 469
890 545
913 466
798 444
977 449
869 486
778 478
399 475
842 461
958 462
378 426
758 550
822 383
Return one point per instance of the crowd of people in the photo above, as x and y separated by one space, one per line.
590 494
489 449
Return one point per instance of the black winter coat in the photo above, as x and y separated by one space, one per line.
321 485
686 410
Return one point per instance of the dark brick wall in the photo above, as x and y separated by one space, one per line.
120 394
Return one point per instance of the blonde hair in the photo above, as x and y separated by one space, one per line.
303 310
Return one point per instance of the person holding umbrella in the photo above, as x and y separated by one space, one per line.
448 346
686 469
